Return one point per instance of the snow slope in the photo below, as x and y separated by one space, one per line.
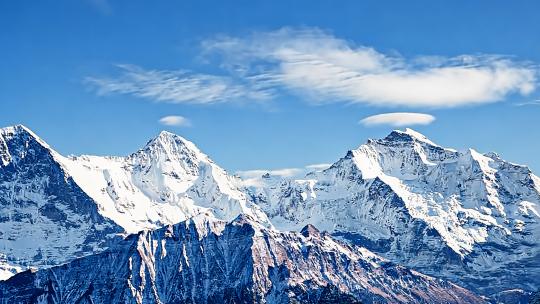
55 208
166 182
465 216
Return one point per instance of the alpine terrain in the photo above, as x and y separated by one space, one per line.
55 208
166 224
211 261
465 216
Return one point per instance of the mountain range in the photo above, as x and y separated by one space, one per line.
460 216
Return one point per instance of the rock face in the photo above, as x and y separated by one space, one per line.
204 260
45 217
464 216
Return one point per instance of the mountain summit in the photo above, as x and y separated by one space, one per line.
167 181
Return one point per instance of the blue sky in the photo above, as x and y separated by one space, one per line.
271 85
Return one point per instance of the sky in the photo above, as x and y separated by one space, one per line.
273 85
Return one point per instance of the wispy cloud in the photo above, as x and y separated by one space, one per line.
327 69
175 120
535 102
321 68
178 86
398 119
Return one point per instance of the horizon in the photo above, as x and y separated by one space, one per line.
243 83
253 173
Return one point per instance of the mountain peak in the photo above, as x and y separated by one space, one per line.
408 135
169 136
18 130
165 133
172 143
14 141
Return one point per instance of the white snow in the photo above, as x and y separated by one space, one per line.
166 182
462 195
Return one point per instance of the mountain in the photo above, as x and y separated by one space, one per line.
465 216
45 217
166 182
204 260
55 208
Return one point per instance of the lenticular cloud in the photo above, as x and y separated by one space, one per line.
398 119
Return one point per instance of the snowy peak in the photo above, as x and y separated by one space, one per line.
17 142
46 218
171 144
21 132
167 181
421 204
408 135
402 154
168 149
17 130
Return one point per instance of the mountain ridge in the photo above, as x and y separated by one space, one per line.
459 215
203 260
418 203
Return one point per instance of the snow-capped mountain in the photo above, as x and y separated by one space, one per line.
466 216
166 182
210 261
55 208
45 217
460 215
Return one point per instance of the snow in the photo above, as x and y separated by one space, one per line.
434 198
468 198
166 182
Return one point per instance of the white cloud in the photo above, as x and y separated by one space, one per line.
398 119
177 86
254 178
175 120
325 68
318 167
286 172
322 68
535 102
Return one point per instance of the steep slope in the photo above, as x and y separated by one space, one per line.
468 217
56 208
45 218
210 261
168 181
